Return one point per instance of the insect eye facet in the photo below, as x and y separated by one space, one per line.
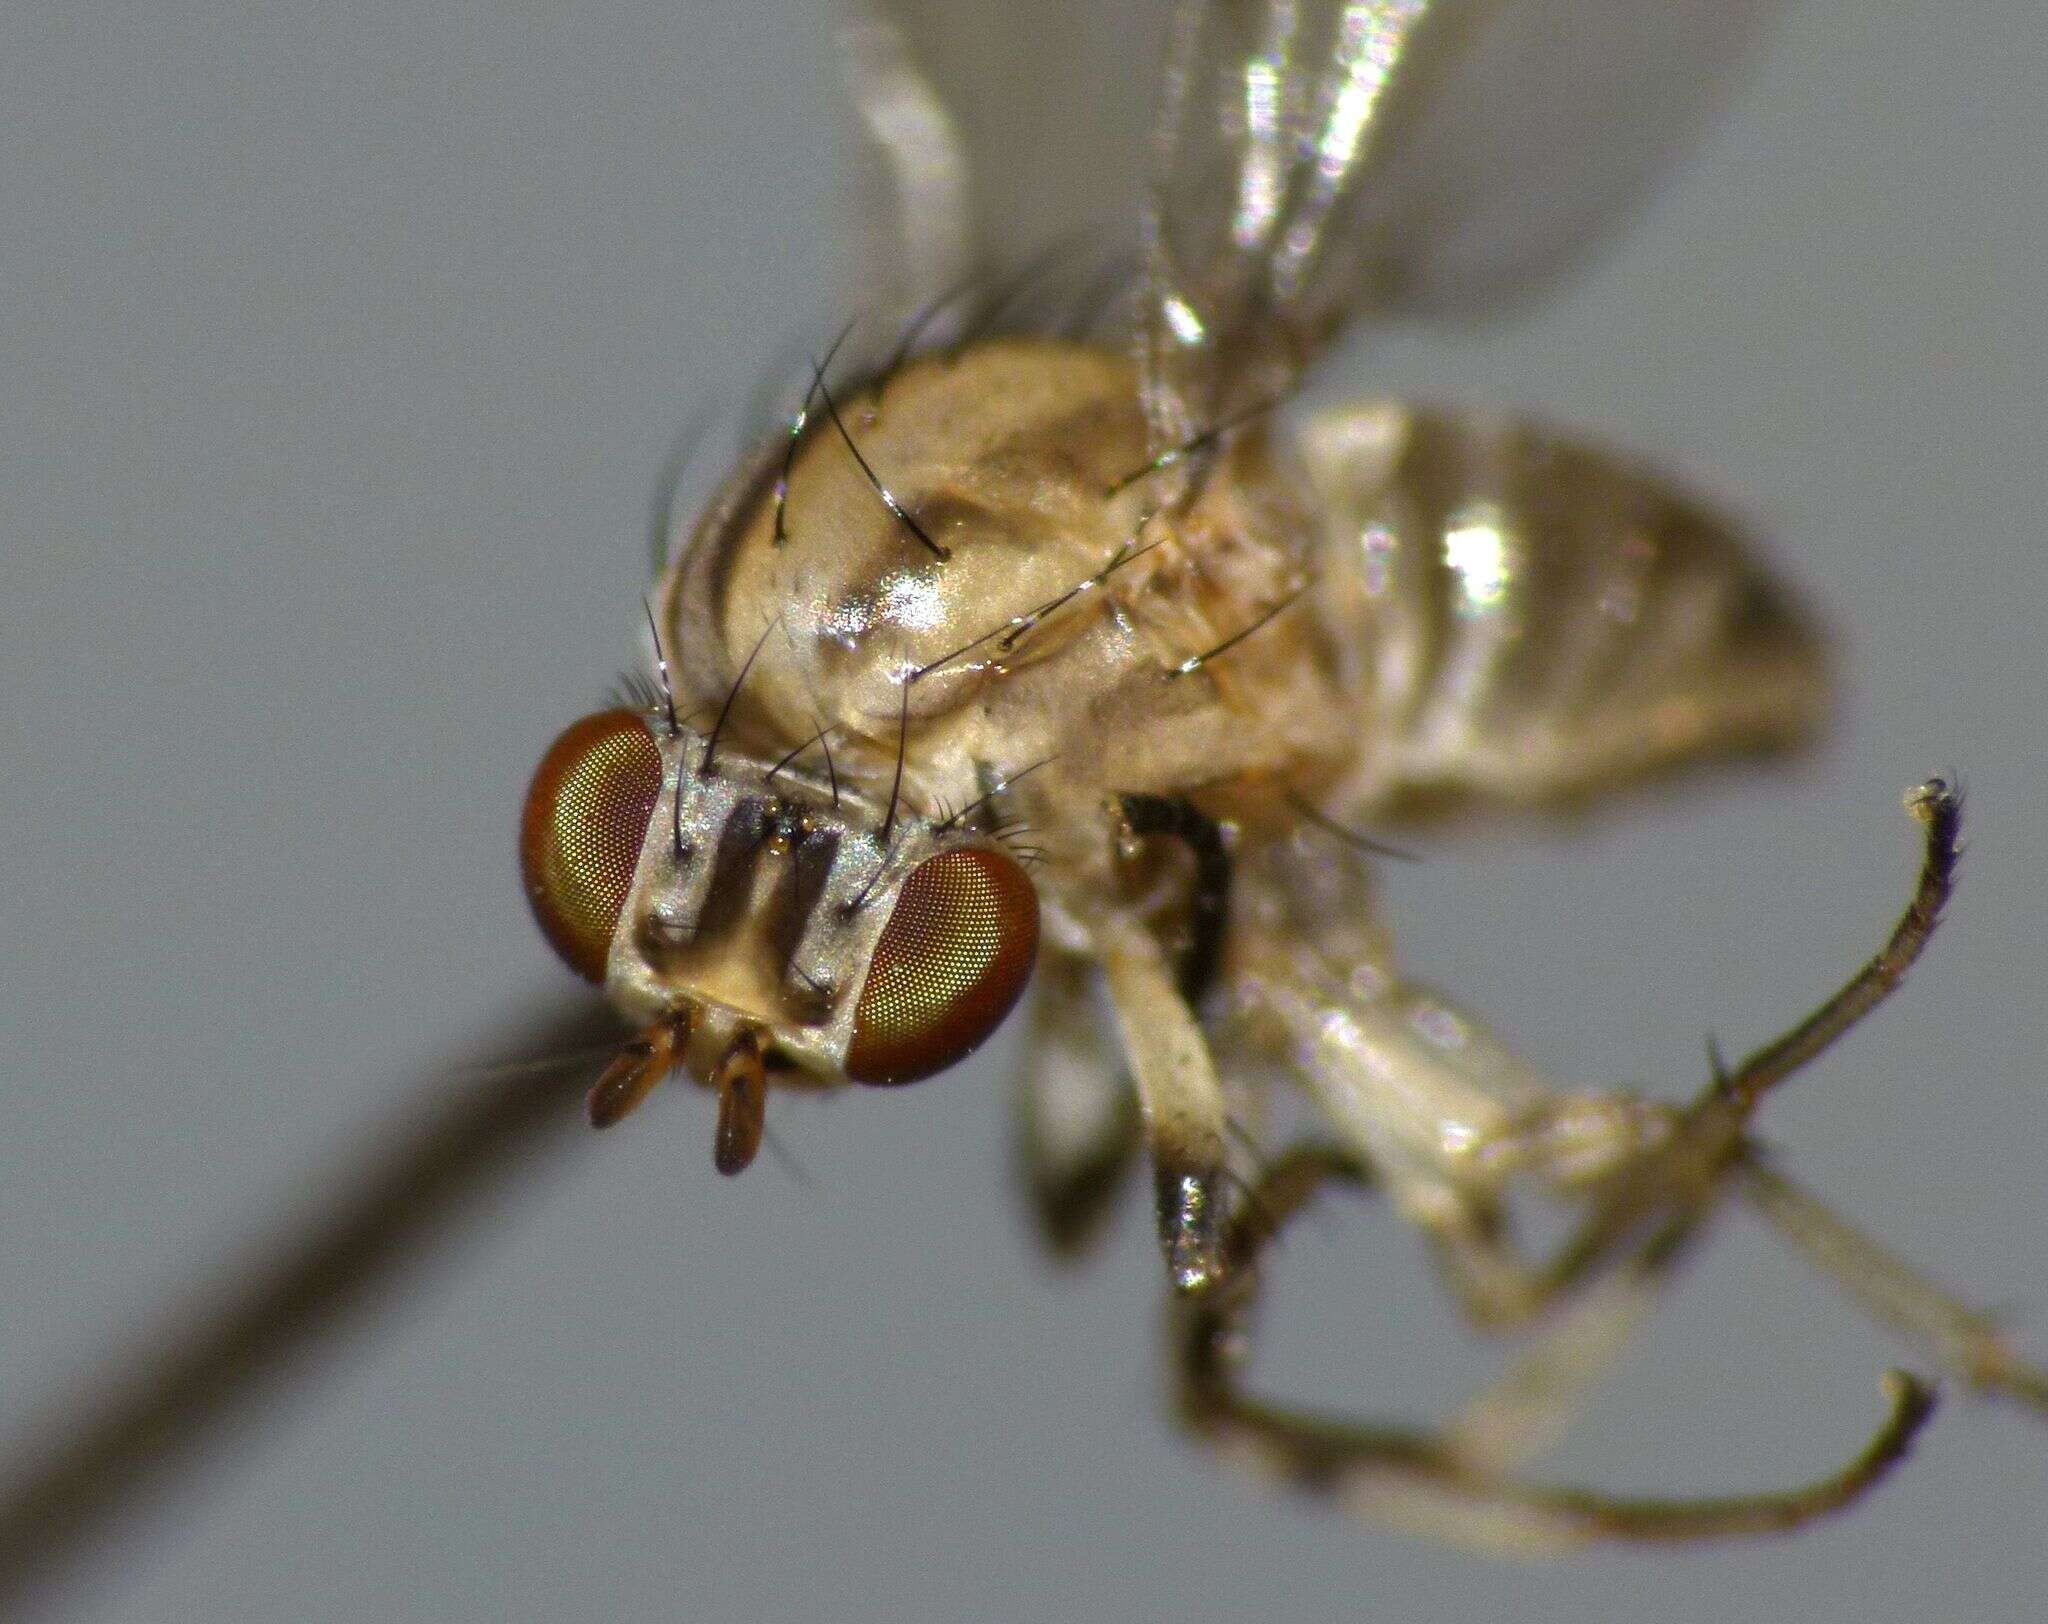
579 840
953 958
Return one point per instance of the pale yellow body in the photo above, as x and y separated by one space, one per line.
1038 580
1591 628
1416 611
1005 454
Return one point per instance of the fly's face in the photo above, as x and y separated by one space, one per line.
757 920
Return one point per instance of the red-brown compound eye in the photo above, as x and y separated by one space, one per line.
952 960
579 840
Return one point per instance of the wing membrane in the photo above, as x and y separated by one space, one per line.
1309 160
1045 111
1268 116
1319 157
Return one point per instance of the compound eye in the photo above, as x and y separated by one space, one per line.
579 840
953 958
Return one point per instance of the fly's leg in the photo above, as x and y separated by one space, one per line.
1569 1143
1425 1481
1179 1096
1965 1341
1937 807
1446 1118
1178 1093
1527 1411
1078 1129
1447 1113
1496 1287
1642 1160
1711 1150
1712 1136
1151 817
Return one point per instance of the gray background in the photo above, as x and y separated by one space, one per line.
340 347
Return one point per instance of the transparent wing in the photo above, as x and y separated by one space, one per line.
989 135
1307 159
910 221
1316 157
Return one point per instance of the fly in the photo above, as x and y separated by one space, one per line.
1038 647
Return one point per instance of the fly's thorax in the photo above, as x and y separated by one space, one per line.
767 901
1074 586
1004 454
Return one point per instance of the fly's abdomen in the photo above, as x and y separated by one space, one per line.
1536 619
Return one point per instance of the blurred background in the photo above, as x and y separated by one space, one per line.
340 352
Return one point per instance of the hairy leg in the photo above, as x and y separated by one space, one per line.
1180 1098
1179 1095
1713 1135
1527 1410
1966 1341
1425 1481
